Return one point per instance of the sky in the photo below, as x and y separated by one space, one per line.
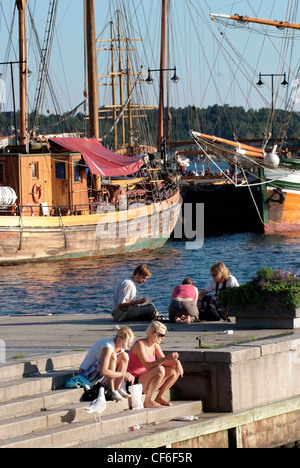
217 63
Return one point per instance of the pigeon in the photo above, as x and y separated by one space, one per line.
97 406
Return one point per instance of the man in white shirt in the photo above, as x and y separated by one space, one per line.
126 306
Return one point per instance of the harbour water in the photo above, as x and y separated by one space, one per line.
86 286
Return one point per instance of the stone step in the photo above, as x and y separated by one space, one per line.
148 436
29 386
40 365
36 411
75 433
46 419
45 401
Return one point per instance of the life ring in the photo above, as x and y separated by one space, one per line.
37 193
14 208
27 205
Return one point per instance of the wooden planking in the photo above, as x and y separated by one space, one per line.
93 235
43 177
291 212
88 220
287 212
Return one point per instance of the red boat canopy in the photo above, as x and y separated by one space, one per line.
100 160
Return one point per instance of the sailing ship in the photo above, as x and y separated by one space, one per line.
277 170
49 212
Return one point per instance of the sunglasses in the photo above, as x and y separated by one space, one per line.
160 335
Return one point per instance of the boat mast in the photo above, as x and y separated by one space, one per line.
23 71
90 38
113 78
162 76
90 33
129 91
245 19
121 84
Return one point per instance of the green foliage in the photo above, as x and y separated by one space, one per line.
218 120
268 282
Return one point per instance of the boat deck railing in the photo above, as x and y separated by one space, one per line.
144 193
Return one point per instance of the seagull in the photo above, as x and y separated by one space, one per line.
97 406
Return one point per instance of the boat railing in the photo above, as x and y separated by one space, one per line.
159 190
144 193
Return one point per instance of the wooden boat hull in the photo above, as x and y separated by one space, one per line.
36 239
283 199
284 216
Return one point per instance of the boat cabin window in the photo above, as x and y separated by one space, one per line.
1 173
60 170
77 171
35 170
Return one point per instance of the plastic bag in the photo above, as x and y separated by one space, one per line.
136 392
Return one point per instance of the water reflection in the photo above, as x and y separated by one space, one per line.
86 286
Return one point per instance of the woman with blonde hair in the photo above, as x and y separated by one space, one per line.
151 368
108 361
220 280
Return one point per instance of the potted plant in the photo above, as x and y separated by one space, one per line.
270 300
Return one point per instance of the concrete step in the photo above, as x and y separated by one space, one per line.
46 419
41 383
147 436
75 433
41 402
36 411
40 365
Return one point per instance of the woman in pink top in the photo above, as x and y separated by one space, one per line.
183 307
151 368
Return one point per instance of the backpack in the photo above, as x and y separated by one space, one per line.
93 393
210 309
78 381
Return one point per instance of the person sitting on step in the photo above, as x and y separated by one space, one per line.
151 368
107 362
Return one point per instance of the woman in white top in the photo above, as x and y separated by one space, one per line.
220 275
108 360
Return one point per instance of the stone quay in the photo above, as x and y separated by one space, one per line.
241 387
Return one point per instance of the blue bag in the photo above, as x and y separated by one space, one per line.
78 381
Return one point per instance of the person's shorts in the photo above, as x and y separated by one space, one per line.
178 308
92 373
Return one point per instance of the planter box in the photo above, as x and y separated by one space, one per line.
273 313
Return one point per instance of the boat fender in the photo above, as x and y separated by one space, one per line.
273 158
27 205
37 193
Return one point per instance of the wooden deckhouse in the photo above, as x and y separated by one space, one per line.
45 180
